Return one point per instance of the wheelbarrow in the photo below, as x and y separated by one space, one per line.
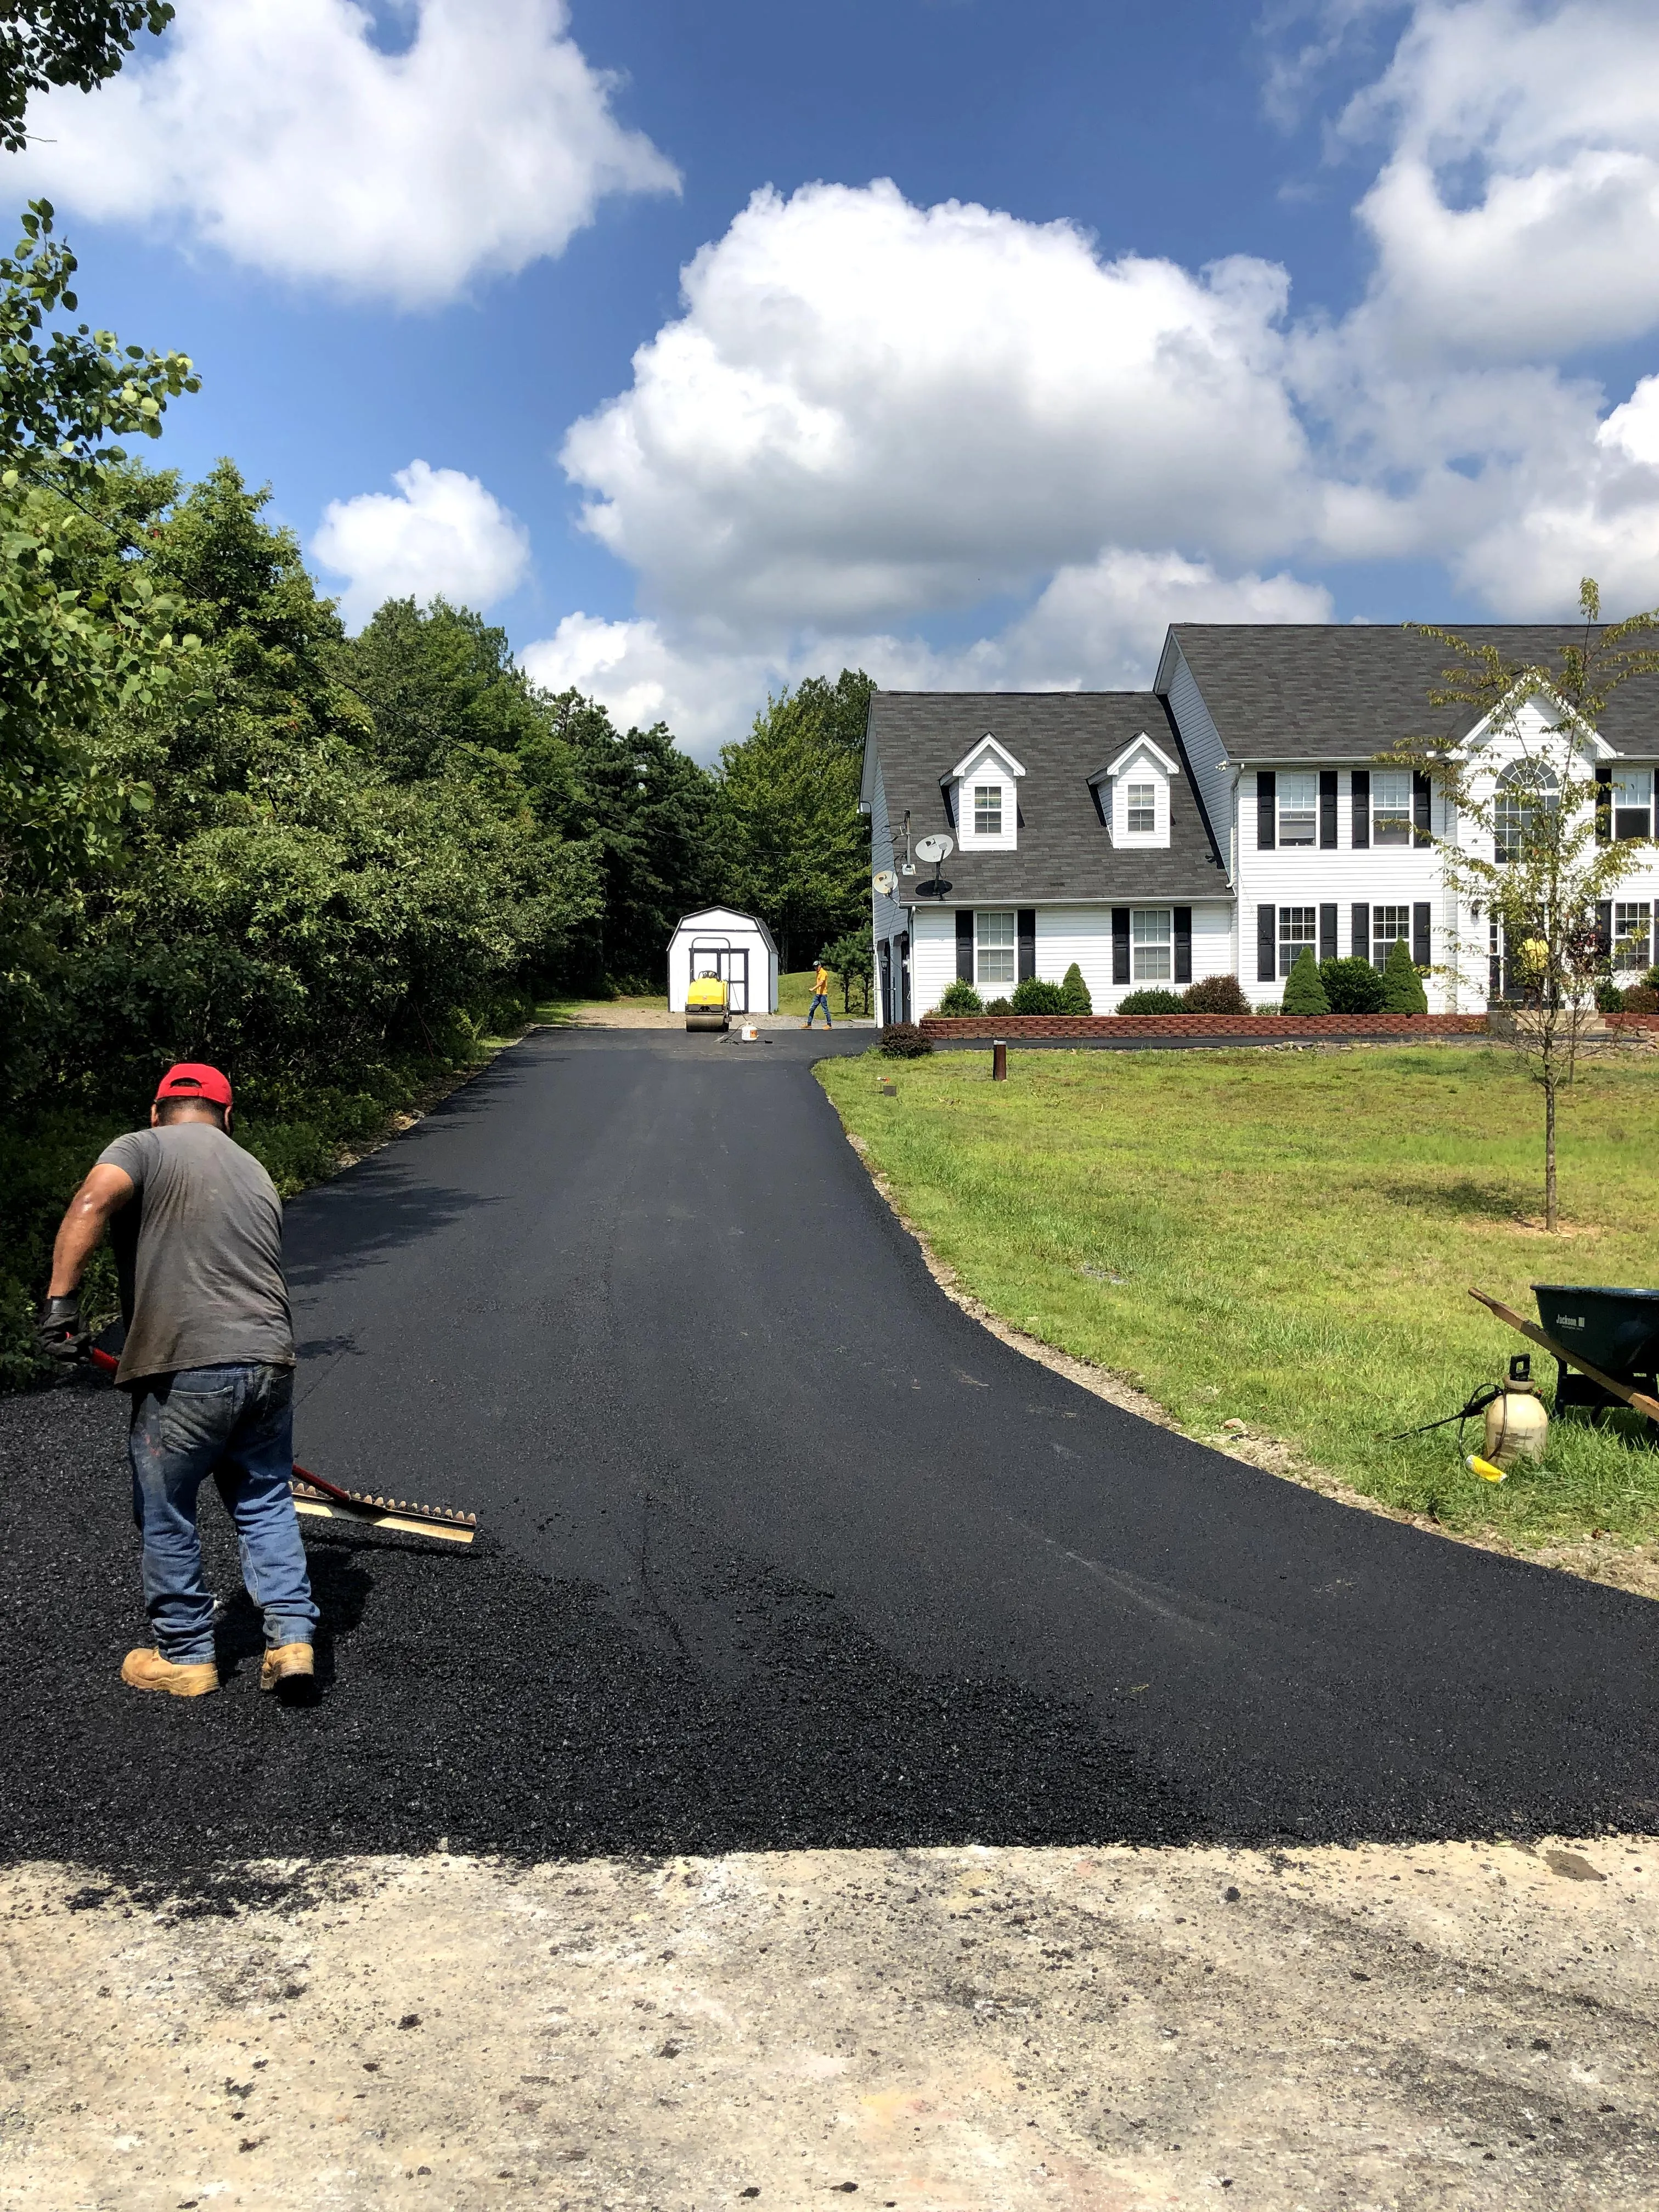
1605 1342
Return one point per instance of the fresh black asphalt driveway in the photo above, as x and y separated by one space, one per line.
781 1547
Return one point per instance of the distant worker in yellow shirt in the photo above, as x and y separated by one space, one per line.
820 995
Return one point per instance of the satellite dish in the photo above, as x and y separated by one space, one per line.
884 881
938 848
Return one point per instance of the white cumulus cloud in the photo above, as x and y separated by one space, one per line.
1517 215
442 535
872 409
869 418
278 132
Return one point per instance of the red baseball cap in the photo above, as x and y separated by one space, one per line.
193 1079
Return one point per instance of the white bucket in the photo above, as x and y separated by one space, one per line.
749 1033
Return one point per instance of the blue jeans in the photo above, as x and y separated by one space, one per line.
235 1424
821 1000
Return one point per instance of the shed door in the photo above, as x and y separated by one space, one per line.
731 965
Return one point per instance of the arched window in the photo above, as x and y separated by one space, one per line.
1525 789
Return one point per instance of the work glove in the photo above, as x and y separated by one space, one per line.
59 1333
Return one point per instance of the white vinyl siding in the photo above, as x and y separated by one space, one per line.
1298 928
994 952
1152 941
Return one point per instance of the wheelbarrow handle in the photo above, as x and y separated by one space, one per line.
1637 1399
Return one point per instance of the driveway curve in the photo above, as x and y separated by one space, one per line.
783 1548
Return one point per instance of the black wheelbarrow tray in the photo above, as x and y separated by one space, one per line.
1605 1341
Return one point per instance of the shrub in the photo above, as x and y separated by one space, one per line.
903 1041
998 1006
1151 1001
1034 996
1074 993
1352 987
960 998
1641 998
1402 987
1215 994
1650 981
1609 999
1304 991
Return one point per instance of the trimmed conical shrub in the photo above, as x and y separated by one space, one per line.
1075 992
1402 987
1304 991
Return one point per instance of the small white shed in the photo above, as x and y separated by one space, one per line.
719 941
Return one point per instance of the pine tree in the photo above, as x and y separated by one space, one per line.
1304 991
1075 992
1402 987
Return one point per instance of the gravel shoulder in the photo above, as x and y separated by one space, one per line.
963 2030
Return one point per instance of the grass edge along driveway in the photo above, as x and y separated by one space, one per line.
1287 1239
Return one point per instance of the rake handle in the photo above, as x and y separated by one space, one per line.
107 1362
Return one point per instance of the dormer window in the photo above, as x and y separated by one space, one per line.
983 791
1133 795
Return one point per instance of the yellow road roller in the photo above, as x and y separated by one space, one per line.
706 1006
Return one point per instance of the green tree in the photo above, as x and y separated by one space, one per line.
77 43
852 959
653 817
1402 987
798 850
84 632
1533 850
1074 991
436 679
1304 991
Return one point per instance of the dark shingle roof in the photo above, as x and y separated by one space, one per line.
1060 738
1330 692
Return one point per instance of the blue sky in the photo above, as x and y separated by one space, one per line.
1169 312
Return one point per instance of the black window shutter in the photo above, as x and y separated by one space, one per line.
1362 812
1360 944
1267 825
1328 808
965 945
1025 930
1266 945
1120 945
1420 933
1183 944
1604 927
1604 805
1328 932
1420 805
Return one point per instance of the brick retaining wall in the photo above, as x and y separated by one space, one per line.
962 1028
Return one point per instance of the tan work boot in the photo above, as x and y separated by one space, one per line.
145 1669
288 1668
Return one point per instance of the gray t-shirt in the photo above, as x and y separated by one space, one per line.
198 1248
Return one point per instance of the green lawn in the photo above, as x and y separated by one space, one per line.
1288 1238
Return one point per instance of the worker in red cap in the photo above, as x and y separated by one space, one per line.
197 1229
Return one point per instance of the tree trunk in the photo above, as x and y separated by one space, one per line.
1549 1151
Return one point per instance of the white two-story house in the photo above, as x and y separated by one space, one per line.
1235 814
1079 833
